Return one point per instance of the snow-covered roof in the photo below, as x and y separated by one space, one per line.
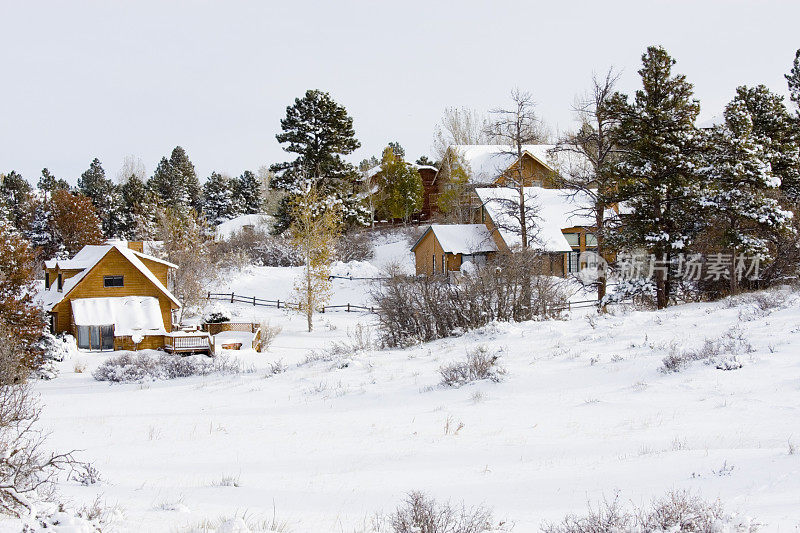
554 209
258 221
87 257
129 314
371 173
462 238
488 161
88 260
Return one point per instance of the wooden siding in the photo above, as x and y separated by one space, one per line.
91 286
160 270
150 342
533 173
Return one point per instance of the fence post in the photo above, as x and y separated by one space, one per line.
348 307
209 295
254 303
279 304
231 297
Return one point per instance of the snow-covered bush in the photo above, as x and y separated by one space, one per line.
640 291
145 366
480 364
216 315
420 309
422 514
354 246
676 512
261 248
721 352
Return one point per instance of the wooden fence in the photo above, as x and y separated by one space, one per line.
282 304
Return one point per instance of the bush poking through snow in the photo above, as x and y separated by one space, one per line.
133 367
480 364
421 514
268 334
217 315
676 512
721 352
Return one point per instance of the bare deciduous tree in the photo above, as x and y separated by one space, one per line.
587 156
131 166
460 125
513 128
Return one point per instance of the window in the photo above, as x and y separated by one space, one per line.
47 280
444 264
591 240
95 337
572 261
113 281
60 282
574 239
434 262
53 322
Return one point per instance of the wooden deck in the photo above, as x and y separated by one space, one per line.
187 342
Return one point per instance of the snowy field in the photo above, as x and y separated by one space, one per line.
583 411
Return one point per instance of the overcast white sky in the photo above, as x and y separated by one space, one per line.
110 79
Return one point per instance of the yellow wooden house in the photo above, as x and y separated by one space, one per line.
110 297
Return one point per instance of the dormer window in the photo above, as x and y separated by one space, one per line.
60 282
113 281
47 280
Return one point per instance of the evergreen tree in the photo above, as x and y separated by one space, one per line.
48 183
423 161
247 193
319 131
106 198
218 199
140 209
660 151
398 151
180 162
775 129
736 195
16 194
40 232
793 79
175 182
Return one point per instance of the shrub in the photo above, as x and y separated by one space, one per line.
268 334
721 352
27 472
676 512
420 309
261 248
354 246
217 315
131 367
421 514
480 364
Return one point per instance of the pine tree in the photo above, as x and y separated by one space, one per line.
400 187
660 151
18 310
775 129
175 182
424 161
398 151
180 162
16 194
247 194
74 222
314 233
793 80
739 182
319 131
48 183
218 199
106 198
40 232
140 209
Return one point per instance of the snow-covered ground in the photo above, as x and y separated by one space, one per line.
583 411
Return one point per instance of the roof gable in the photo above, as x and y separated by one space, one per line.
461 238
131 256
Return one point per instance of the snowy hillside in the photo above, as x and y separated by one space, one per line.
342 433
